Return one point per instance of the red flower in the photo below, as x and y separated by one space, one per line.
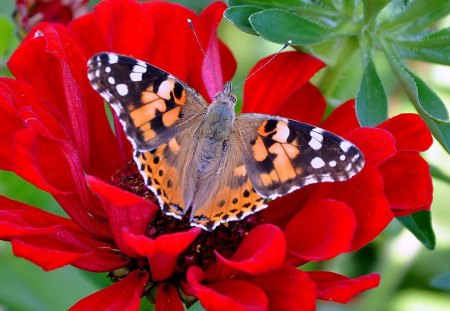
55 134
29 13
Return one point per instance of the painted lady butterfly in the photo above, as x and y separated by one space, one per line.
204 159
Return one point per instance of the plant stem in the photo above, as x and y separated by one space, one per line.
334 73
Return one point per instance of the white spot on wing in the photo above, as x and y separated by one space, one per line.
141 67
332 163
348 167
113 58
342 157
164 89
136 76
111 80
122 89
345 145
317 163
315 144
108 69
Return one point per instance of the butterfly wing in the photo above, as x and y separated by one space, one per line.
228 193
157 112
152 105
168 172
282 155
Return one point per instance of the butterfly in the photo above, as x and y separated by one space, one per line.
206 160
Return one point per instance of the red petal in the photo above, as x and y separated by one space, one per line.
10 123
364 193
306 104
126 26
262 250
407 183
18 219
212 61
64 247
123 295
289 71
167 298
288 289
335 287
236 295
162 252
51 241
61 174
124 210
43 255
221 59
68 95
310 236
377 145
410 131
342 119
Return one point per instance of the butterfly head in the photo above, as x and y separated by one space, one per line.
226 96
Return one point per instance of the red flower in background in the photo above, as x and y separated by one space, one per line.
55 134
29 13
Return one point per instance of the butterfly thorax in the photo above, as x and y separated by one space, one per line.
217 130
220 117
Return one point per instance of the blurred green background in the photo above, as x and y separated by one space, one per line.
412 278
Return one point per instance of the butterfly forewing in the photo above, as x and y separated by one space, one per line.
152 105
283 155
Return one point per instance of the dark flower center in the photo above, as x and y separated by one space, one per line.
225 239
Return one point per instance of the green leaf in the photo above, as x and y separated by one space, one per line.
371 100
442 282
420 225
431 47
432 55
6 35
266 3
417 15
239 16
441 131
27 287
424 99
435 39
372 9
279 26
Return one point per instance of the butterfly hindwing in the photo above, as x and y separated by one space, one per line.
151 104
165 172
283 155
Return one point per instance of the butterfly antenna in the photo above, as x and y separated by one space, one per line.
288 43
203 51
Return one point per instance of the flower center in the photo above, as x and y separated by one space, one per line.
225 239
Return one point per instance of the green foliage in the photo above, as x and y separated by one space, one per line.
420 225
400 29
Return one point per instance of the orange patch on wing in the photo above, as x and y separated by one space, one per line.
182 99
291 151
222 209
171 116
147 132
148 96
259 150
240 170
147 112
282 163
173 145
262 129
163 179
